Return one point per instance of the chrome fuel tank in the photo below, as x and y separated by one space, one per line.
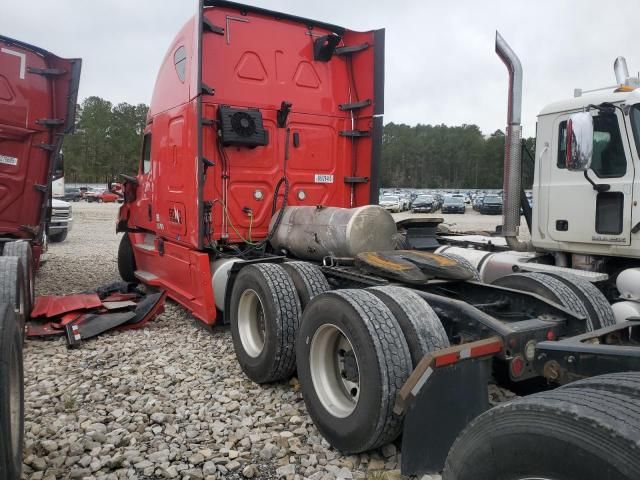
312 233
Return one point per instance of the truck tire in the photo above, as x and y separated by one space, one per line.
11 394
420 325
595 301
13 288
22 250
345 335
126 260
308 279
627 383
552 289
59 237
265 313
464 262
564 434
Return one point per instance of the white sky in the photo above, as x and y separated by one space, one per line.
440 60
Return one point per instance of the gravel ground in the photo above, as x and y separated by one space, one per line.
166 401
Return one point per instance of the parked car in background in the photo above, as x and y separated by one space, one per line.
423 204
491 205
61 220
72 194
477 202
453 204
392 203
103 196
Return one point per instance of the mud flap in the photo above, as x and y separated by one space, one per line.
447 389
453 396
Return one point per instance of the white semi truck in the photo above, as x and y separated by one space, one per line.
585 219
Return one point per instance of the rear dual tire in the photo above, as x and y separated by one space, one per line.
11 394
22 250
569 291
265 312
352 361
14 288
588 430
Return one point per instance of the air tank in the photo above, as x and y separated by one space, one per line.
313 233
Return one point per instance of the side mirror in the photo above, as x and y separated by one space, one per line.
579 142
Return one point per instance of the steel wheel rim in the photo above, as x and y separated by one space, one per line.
14 402
330 356
251 323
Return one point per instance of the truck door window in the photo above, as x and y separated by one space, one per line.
146 154
609 160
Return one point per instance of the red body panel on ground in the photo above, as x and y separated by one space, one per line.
197 194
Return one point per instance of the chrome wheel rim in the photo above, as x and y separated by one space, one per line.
335 372
251 323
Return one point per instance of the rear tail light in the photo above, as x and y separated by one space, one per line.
516 366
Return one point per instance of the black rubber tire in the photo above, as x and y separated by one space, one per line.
464 262
281 309
595 301
126 260
564 434
627 383
13 287
379 346
59 237
552 289
22 250
308 279
420 325
100 200
11 395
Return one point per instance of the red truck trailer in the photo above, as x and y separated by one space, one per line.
252 208
38 93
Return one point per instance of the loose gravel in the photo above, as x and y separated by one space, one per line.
166 401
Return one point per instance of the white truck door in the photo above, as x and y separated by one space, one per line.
577 212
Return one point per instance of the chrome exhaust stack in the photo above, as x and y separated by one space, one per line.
621 70
512 182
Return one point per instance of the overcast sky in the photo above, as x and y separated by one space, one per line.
440 60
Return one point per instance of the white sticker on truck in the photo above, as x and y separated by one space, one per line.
322 178
6 160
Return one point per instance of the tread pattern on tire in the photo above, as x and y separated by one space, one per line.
288 312
420 325
464 262
599 420
9 333
392 352
591 294
22 250
565 295
627 383
310 276
126 260
9 277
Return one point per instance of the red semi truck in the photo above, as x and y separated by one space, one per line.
251 208
38 93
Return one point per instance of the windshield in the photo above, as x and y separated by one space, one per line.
424 198
390 198
492 199
453 200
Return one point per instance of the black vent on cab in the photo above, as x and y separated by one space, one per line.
241 126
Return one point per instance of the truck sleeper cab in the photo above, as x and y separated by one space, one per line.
237 126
